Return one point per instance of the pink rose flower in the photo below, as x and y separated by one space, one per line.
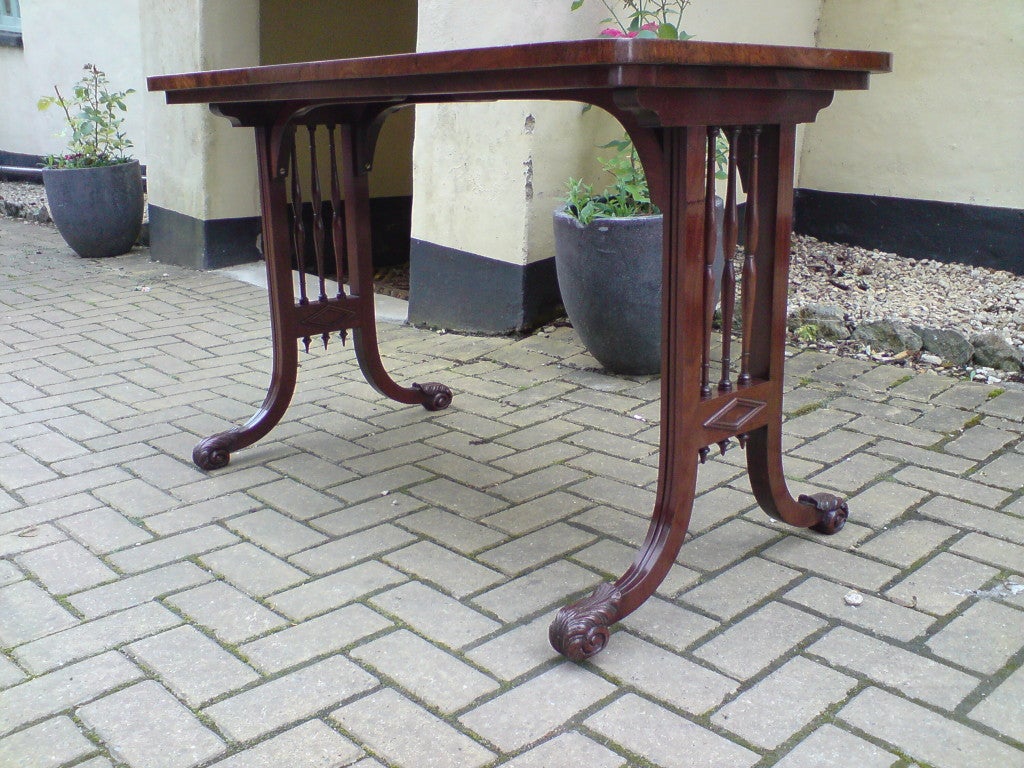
651 26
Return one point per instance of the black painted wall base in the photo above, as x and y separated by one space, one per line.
465 292
18 165
189 242
921 229
20 160
175 238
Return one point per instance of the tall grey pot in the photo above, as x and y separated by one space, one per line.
98 211
609 275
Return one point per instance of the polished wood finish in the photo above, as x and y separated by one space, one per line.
672 98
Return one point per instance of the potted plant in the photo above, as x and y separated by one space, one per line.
608 245
94 190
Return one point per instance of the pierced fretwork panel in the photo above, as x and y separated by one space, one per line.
316 220
728 322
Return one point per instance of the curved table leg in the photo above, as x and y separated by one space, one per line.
355 179
769 222
431 395
581 630
214 452
821 512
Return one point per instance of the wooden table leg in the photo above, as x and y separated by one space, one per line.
355 180
215 451
771 161
581 630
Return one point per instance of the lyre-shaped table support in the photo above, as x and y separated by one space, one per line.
693 414
285 241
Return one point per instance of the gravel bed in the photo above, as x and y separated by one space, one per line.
866 285
863 285
871 285
23 199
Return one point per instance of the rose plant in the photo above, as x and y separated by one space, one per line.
93 115
629 194
644 18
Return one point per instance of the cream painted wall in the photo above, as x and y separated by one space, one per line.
496 170
946 124
60 37
791 22
199 165
498 180
314 29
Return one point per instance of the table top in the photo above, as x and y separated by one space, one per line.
540 70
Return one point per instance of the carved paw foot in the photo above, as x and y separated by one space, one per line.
436 397
832 512
580 630
214 452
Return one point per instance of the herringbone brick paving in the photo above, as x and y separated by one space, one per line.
371 584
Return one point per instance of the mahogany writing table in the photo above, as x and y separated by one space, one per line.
674 99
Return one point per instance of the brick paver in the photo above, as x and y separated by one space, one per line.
665 676
400 730
917 677
1001 710
64 688
371 585
784 702
49 744
92 637
925 735
780 628
983 638
309 745
289 699
831 747
29 613
190 664
538 707
146 726
664 738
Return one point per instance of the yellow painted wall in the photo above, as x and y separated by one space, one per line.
59 38
946 124
200 166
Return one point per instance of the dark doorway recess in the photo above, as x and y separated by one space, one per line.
390 224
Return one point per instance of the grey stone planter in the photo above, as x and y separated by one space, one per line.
609 274
98 211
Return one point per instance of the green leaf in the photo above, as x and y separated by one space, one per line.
647 34
668 32
577 4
